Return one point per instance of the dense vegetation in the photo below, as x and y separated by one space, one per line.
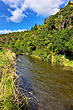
9 94
51 42
54 37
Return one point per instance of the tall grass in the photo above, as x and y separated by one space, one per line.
10 99
62 60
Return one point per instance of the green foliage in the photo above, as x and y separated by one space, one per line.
45 39
69 3
45 21
63 42
51 23
66 11
32 28
58 21
61 60
72 21
54 21
6 89
45 42
35 27
9 95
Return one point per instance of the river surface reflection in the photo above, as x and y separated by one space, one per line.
47 87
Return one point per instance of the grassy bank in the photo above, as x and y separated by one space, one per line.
42 44
56 59
9 94
62 60
48 42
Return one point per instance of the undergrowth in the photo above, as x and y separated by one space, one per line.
62 60
10 99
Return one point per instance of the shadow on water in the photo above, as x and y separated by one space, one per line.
47 87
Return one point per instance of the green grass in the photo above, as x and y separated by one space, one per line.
9 97
62 60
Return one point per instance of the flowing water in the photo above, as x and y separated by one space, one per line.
47 87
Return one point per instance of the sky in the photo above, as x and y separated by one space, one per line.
20 15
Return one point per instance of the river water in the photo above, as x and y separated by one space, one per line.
47 87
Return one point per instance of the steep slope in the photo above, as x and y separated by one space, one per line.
62 19
51 42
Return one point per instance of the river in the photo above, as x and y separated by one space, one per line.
48 87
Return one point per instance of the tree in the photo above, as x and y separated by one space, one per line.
35 27
32 28
45 21
69 2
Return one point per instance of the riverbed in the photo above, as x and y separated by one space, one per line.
47 87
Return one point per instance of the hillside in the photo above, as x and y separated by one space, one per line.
51 42
61 19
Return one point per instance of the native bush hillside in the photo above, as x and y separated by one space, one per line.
55 36
61 19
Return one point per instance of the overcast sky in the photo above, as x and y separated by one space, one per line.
17 15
